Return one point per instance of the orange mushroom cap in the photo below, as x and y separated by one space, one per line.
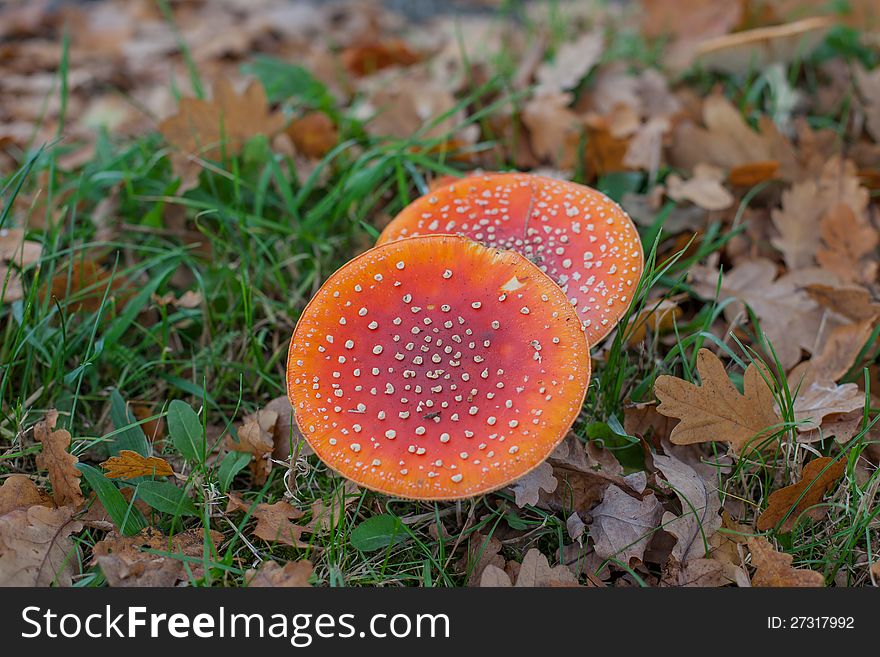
437 368
577 235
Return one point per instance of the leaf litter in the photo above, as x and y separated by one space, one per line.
749 378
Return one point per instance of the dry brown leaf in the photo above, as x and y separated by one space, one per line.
256 437
728 142
584 472
401 106
83 284
368 58
204 129
846 241
494 577
60 463
270 574
700 505
273 521
853 302
840 426
129 464
20 492
36 548
326 517
644 421
818 477
570 65
705 19
822 398
623 525
125 562
553 128
604 153
869 89
659 317
534 571
804 205
774 569
840 348
703 189
753 173
482 551
788 317
314 134
17 251
526 489
715 410
286 434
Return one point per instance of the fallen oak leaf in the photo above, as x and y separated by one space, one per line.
36 548
15 250
623 525
273 521
727 141
822 398
773 569
700 504
716 410
82 286
126 561
787 504
659 317
270 574
314 134
788 317
20 492
703 189
846 241
202 128
534 571
804 205
852 301
572 62
256 437
526 489
753 173
129 464
482 551
368 58
842 345
841 426
60 463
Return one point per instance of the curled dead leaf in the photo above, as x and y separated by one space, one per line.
126 561
774 568
20 492
786 505
129 464
60 463
270 574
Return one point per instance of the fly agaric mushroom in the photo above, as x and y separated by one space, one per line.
577 235
437 368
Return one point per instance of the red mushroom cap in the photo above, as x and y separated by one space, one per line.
437 368
577 235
